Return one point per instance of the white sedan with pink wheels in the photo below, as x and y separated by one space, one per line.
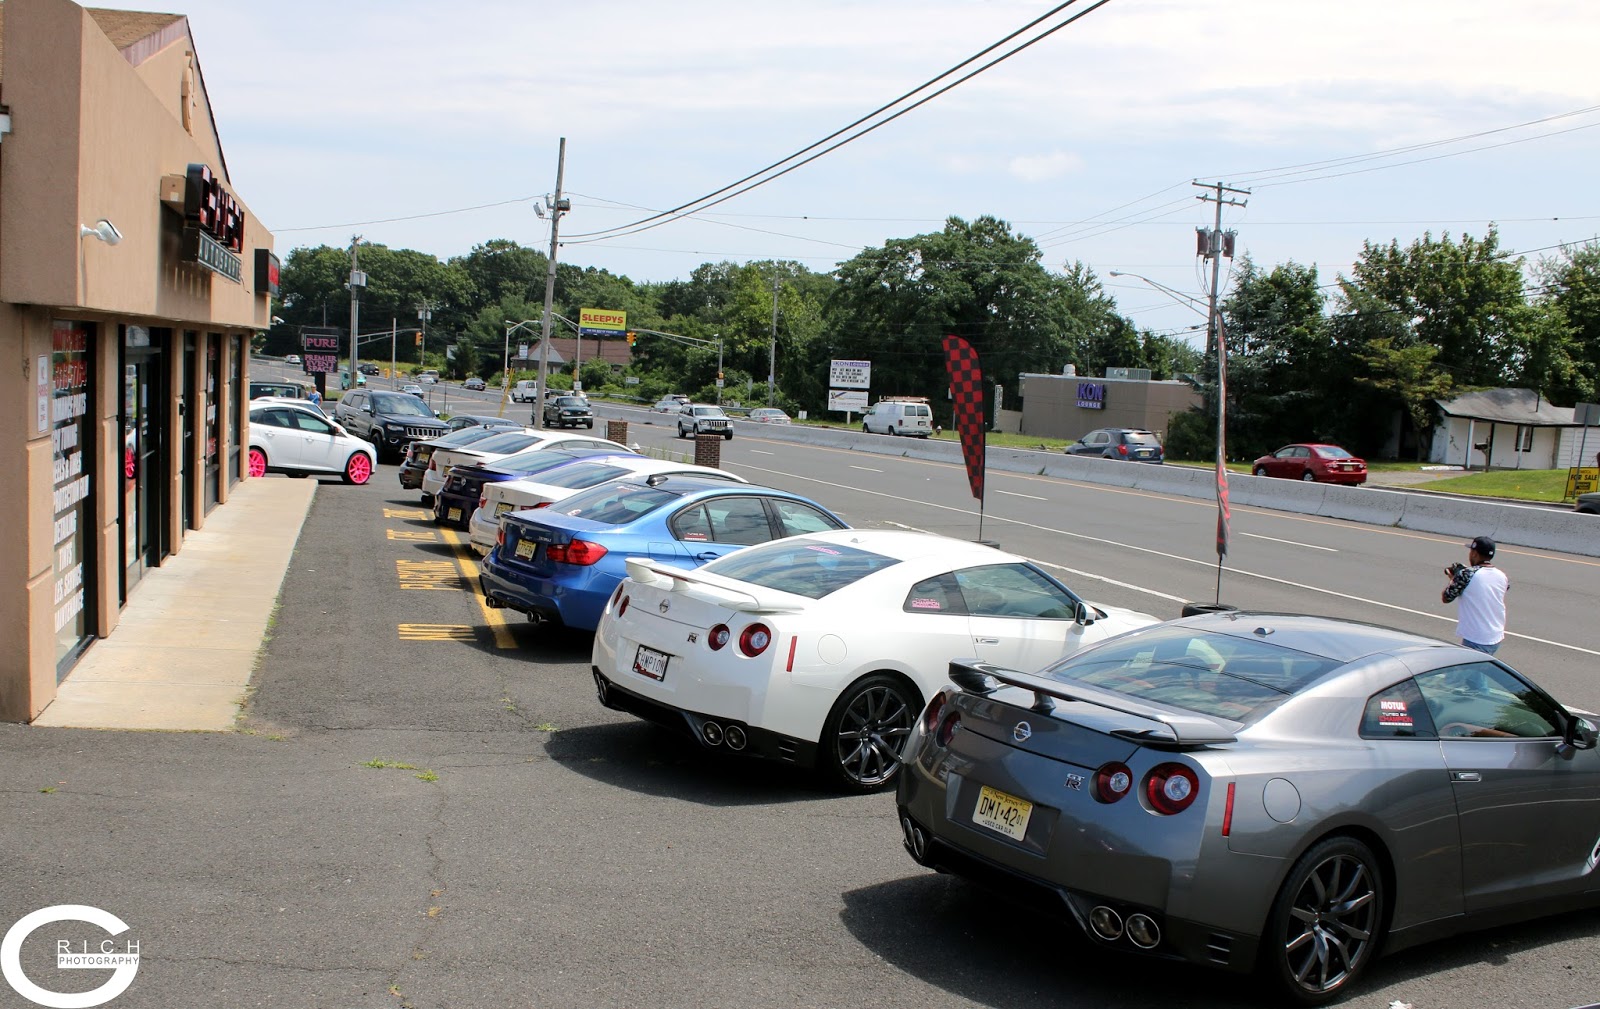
301 441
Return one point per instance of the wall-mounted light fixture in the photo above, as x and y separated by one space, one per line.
104 230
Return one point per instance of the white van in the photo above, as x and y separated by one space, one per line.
906 415
525 391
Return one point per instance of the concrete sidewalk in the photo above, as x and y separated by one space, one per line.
181 655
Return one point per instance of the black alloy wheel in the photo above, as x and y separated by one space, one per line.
864 734
1326 922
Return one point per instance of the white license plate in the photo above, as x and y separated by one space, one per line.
651 663
526 548
455 515
1002 813
502 508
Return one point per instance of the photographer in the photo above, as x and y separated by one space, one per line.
1481 589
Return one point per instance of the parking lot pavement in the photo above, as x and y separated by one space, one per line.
426 809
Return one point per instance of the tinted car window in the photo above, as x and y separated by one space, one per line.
401 405
270 418
806 569
584 474
307 422
1482 700
1215 674
1012 590
691 525
615 504
1333 452
741 520
935 595
797 518
1397 713
1139 438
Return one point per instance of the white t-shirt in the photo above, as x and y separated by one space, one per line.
1481 610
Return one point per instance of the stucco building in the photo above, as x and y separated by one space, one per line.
131 280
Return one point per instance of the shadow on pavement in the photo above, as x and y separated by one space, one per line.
648 759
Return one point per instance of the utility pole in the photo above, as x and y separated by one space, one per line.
358 280
1214 244
772 348
556 209
424 314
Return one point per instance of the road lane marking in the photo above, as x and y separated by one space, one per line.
406 513
1178 557
469 570
437 632
415 536
1292 543
757 451
869 469
435 576
1012 493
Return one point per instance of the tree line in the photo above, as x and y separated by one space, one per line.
1345 361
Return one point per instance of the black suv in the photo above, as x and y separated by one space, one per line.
390 420
568 411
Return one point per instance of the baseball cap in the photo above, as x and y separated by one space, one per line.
1484 546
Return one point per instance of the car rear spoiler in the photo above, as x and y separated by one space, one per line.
1172 731
674 579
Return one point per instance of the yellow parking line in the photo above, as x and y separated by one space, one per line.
469 570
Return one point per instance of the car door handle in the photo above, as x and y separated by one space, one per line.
1465 776
988 641
707 556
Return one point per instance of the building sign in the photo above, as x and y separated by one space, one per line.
321 346
1092 395
847 400
267 266
850 374
213 224
69 407
601 322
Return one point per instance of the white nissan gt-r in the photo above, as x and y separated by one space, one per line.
821 650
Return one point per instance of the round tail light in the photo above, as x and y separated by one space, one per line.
947 728
930 714
755 639
719 637
1112 781
622 607
1171 788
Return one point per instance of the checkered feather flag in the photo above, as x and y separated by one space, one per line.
966 390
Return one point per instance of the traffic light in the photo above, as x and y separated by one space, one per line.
632 337
419 339
719 376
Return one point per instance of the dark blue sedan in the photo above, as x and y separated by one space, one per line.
561 564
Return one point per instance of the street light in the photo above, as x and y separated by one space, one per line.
1188 302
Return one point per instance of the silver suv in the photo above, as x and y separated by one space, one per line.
699 418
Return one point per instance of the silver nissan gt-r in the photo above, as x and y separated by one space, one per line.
1290 794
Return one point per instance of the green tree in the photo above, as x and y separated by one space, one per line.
1571 286
1280 356
1407 374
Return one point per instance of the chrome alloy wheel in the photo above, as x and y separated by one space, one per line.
872 728
1332 922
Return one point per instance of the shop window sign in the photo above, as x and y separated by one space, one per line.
69 379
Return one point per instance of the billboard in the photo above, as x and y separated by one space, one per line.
321 347
601 322
850 375
847 401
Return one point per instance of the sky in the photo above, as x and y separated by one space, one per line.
389 119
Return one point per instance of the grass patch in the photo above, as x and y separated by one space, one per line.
545 727
426 776
1520 485
381 764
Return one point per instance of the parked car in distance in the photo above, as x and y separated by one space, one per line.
769 415
419 454
301 441
474 383
1313 462
568 411
1588 504
671 403
509 443
283 390
291 359
561 564
483 517
457 421
390 420
703 418
1128 443
908 415
1289 794
414 390
292 401
879 614
525 391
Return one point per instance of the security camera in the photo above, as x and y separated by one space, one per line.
103 230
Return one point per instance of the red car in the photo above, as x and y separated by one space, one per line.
1327 463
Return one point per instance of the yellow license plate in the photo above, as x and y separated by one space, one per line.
502 507
526 548
1002 813
455 515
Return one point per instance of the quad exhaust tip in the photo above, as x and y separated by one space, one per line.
1143 931
735 737
712 733
1107 924
916 838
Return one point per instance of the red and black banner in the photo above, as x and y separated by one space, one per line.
966 392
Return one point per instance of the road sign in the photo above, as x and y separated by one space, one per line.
847 400
850 375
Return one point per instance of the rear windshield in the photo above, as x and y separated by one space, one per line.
1215 674
584 474
806 569
918 411
570 401
1140 438
1333 452
615 504
508 442
536 462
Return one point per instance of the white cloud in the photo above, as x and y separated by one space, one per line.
1043 167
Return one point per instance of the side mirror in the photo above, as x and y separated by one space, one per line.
1085 614
1581 734
366 407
